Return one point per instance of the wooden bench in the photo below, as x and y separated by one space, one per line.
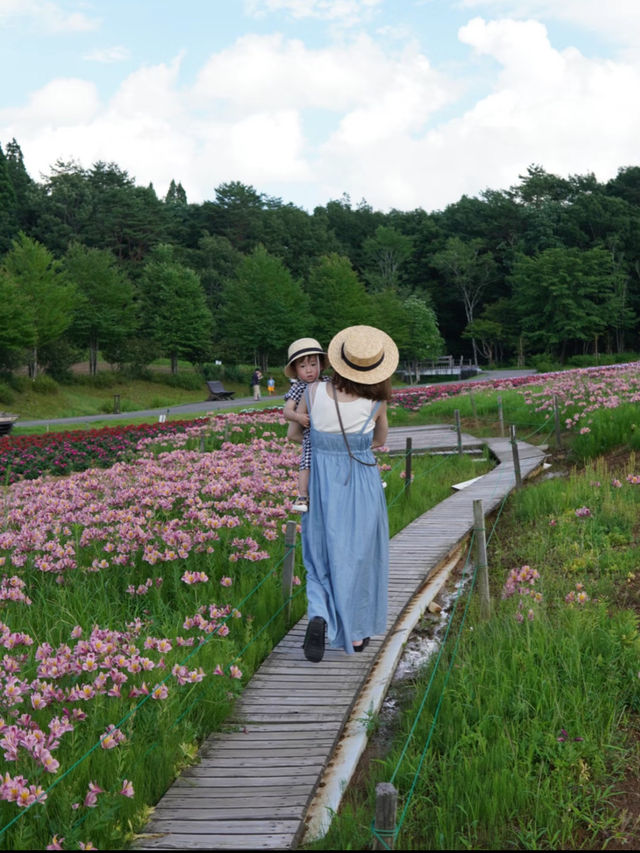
217 391
6 423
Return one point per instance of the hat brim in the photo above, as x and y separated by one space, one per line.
384 369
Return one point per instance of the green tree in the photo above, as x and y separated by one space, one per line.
337 297
385 254
487 334
50 298
468 269
236 214
174 308
106 314
423 339
17 327
8 213
564 297
263 309
296 238
389 314
216 261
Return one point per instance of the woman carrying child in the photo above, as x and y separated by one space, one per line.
345 533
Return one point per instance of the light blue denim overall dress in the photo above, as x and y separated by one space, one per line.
345 538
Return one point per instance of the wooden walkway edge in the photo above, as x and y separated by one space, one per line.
299 728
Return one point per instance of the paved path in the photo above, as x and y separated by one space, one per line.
215 405
273 779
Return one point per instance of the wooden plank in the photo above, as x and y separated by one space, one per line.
202 841
224 827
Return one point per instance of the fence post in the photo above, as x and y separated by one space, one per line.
481 558
116 404
473 407
407 465
516 458
556 417
500 416
289 563
385 822
459 431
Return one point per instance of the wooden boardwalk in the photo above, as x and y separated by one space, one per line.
299 729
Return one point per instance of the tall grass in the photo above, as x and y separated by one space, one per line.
519 733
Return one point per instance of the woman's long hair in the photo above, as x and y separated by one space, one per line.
377 391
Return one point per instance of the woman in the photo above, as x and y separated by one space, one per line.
345 533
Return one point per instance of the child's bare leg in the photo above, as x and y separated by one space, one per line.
301 503
303 482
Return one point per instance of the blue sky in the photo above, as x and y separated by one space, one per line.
405 103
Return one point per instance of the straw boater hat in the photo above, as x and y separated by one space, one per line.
298 349
363 354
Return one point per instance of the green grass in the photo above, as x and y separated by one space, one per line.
519 735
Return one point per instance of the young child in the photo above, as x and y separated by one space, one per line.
305 361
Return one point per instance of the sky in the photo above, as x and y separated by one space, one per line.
402 103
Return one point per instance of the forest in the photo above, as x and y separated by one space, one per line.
544 272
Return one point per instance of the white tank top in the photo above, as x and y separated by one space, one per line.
354 414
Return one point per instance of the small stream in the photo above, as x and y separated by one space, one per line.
424 642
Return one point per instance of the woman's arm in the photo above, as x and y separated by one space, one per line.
381 428
294 412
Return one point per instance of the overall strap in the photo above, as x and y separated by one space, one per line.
373 412
344 436
307 397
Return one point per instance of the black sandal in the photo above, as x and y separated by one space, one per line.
363 645
314 639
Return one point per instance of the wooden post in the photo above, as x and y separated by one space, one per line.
481 558
289 563
385 823
500 415
407 466
473 407
116 404
201 444
516 458
556 417
459 431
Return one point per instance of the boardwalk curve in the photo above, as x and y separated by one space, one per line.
274 778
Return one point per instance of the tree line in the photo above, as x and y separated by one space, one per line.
90 262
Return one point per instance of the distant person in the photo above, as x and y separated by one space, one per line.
306 360
271 385
345 533
255 384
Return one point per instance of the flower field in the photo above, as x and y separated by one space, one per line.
579 392
139 589
128 619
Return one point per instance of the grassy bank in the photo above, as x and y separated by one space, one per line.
521 733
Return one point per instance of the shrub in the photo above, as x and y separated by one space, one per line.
187 381
6 394
44 384
104 379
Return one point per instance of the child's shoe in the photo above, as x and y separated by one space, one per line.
301 504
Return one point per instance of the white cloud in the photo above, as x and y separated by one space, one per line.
269 71
616 19
343 11
64 102
571 114
107 55
46 15
250 113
